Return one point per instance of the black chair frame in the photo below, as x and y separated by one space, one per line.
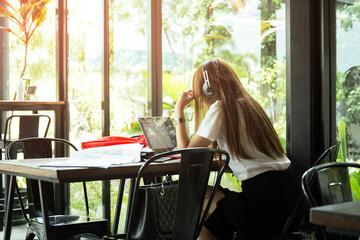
62 226
188 221
333 185
28 127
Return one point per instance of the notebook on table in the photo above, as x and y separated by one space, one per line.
159 133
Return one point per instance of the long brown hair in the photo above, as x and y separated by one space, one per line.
240 112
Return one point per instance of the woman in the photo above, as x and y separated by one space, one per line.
238 124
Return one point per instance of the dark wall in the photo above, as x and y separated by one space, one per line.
309 85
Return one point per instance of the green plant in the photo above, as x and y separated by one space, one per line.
27 18
355 185
342 156
342 137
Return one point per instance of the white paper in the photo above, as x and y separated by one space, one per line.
102 157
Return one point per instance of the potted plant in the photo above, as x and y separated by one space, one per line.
27 18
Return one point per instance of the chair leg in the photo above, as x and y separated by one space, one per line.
9 206
30 236
44 208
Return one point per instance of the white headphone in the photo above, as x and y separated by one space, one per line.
207 86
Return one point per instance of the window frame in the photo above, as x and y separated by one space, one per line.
310 63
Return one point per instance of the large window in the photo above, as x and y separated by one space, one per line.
40 64
248 35
348 76
32 63
85 88
128 65
85 71
102 53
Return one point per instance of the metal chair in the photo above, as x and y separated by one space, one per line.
62 226
194 170
296 225
333 186
27 126
17 127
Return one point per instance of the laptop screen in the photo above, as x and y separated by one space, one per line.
159 133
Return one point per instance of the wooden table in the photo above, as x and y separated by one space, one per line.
341 218
29 168
18 105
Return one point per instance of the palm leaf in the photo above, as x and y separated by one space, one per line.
6 29
24 11
5 3
264 26
38 16
41 4
5 13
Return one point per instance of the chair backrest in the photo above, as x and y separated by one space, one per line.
28 126
333 183
300 211
195 167
37 148
329 155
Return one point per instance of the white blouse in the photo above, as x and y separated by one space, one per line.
211 128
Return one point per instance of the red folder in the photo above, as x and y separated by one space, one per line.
113 140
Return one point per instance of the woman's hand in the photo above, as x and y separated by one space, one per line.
185 99
182 137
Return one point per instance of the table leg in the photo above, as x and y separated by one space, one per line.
106 199
9 207
118 206
130 200
44 209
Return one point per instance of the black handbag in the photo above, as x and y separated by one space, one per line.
154 211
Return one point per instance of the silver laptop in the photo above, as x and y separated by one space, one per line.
159 133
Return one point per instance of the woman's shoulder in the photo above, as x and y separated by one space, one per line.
215 105
214 109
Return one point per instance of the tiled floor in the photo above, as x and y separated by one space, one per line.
17 232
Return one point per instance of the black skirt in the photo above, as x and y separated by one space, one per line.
264 205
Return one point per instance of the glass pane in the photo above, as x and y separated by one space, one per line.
85 69
128 76
39 67
249 35
348 77
85 90
128 65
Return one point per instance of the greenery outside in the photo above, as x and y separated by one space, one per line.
347 86
247 34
